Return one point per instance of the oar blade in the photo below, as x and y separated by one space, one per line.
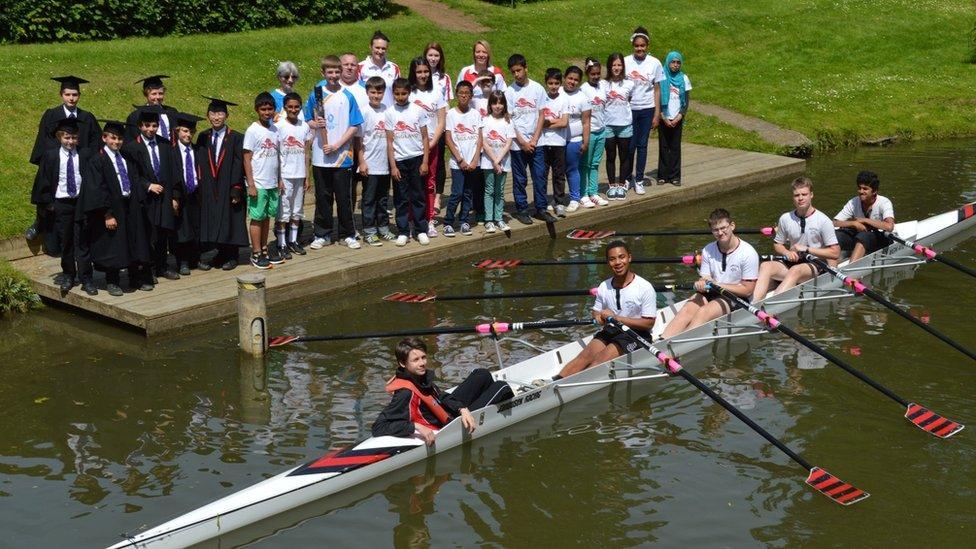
586 234
281 340
497 263
834 488
403 297
931 422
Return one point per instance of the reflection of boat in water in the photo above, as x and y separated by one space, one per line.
347 467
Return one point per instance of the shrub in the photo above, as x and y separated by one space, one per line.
73 20
16 295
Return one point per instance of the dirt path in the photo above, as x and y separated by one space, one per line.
443 16
796 142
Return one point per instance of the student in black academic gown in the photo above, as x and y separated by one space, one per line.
88 137
62 176
119 238
221 192
155 159
187 175
155 93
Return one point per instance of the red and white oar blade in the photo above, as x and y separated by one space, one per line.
497 263
281 340
404 297
835 488
586 234
931 422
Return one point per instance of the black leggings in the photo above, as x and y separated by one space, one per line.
621 146
477 391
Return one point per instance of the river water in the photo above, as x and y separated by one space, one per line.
102 432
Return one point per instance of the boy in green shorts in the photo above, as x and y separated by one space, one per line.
261 170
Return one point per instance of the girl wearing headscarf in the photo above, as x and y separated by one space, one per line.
674 106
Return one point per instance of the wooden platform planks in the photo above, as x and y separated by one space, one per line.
204 297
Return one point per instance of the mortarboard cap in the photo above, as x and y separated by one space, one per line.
69 125
149 113
152 82
187 120
70 82
113 126
218 105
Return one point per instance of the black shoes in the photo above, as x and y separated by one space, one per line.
168 274
204 266
296 248
273 255
184 269
31 232
523 218
229 265
260 261
114 290
89 287
545 216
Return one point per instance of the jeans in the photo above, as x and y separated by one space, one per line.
410 195
375 188
589 164
536 164
462 190
638 144
572 169
494 195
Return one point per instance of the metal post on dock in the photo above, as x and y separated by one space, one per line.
252 314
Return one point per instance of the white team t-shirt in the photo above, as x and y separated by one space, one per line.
524 104
674 99
553 109
814 231
263 144
388 71
576 104
494 133
480 104
373 134
405 122
740 263
465 127
617 111
292 139
358 93
430 101
596 98
644 74
635 300
881 209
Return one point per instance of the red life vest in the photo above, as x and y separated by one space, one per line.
416 398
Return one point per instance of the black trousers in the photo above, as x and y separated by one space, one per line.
75 243
615 146
188 253
555 160
477 391
162 240
669 152
410 195
333 186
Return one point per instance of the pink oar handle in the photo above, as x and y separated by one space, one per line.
593 291
500 327
767 231
693 260
855 284
769 319
929 253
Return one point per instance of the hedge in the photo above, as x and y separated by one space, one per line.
75 20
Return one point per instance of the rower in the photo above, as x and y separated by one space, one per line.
863 218
729 262
627 297
419 408
800 231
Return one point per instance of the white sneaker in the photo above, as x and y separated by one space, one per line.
586 202
489 227
502 226
423 239
401 240
318 243
639 187
550 209
352 243
573 206
599 200
432 231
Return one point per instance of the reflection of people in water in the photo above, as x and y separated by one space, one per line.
413 508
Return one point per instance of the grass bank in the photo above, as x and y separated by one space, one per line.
834 70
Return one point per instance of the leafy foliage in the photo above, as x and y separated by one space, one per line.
16 295
75 20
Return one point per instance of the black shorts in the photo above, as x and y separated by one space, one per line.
712 295
610 335
788 263
871 240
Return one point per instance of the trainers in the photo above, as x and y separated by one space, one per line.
550 209
573 206
639 187
388 236
273 254
373 240
260 261
676 182
585 202
401 240
285 253
523 218
544 216
661 182
296 248
599 200
465 229
432 230
560 210
352 243
449 231
502 226
489 227
320 242
423 239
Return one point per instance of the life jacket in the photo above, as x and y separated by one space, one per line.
416 398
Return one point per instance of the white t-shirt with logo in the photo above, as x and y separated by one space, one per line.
617 111
635 300
480 104
389 72
674 99
881 209
430 102
524 104
292 139
740 263
405 122
576 103
814 231
373 134
644 74
465 127
596 98
553 109
494 133
263 144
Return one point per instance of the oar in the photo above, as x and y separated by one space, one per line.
590 234
860 288
691 259
822 481
486 328
931 254
922 417
404 297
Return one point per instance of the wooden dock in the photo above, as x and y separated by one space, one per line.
210 296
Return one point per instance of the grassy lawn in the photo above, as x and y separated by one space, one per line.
834 70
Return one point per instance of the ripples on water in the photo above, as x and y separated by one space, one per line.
104 432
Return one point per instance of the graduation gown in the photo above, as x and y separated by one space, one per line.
89 132
222 178
188 229
44 190
128 244
158 207
132 124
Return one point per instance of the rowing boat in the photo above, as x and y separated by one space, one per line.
375 456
